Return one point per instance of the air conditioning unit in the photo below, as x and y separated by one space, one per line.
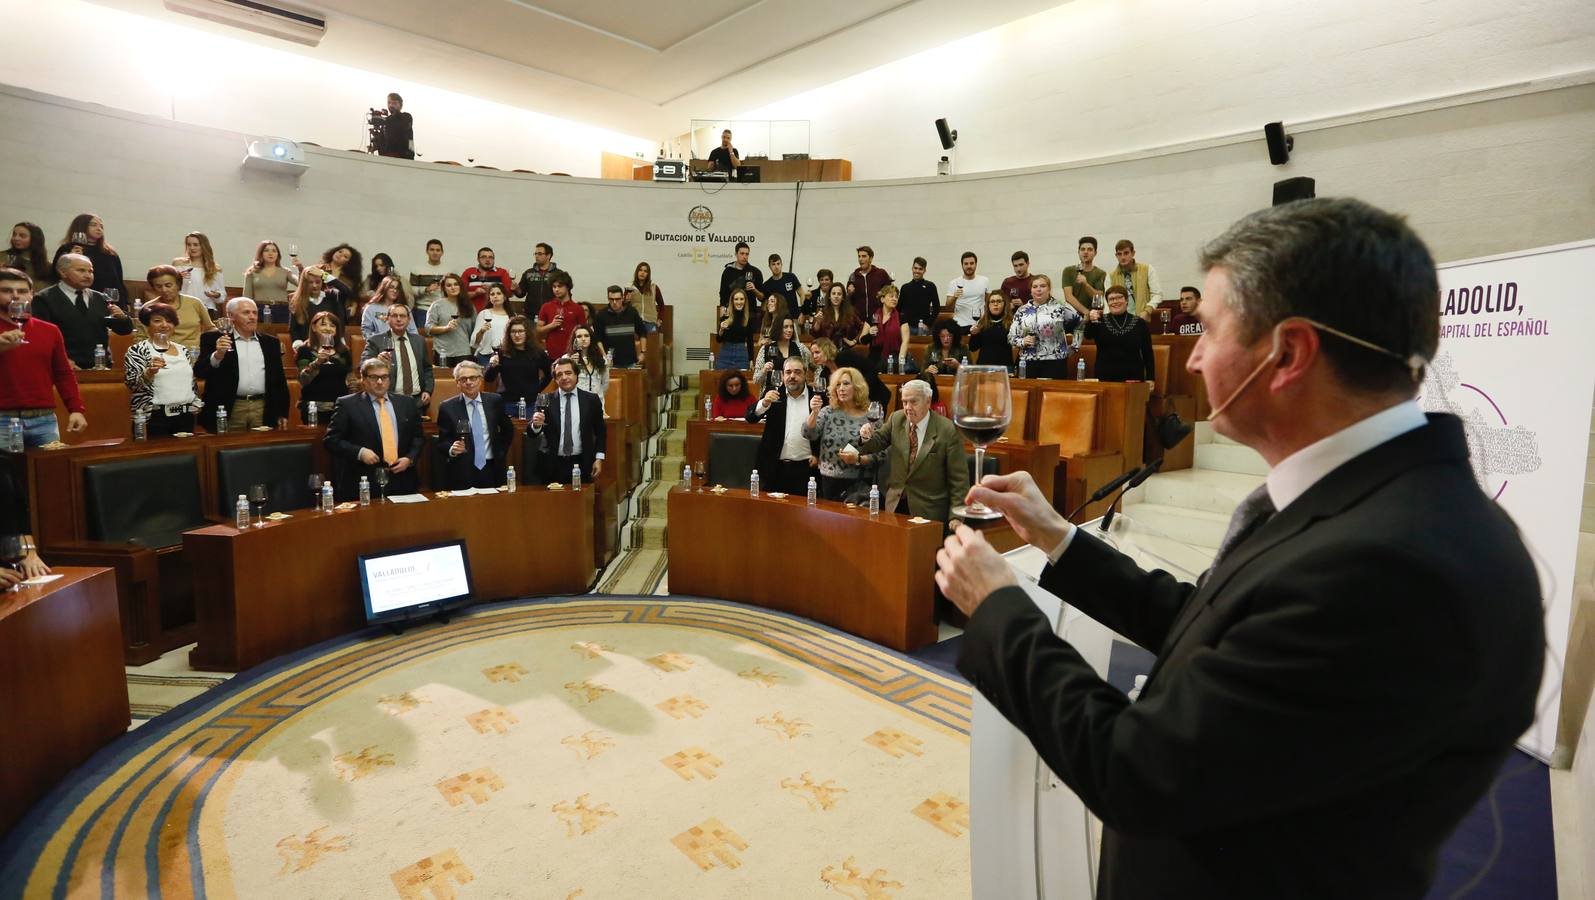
278 20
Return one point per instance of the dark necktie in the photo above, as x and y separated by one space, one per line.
913 443
399 346
1249 516
567 444
82 304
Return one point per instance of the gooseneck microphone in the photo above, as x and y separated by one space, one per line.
1140 475
1136 475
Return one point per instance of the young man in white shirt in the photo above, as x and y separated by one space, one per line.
966 296
426 282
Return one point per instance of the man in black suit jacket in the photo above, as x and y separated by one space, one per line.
1337 691
786 459
580 444
83 314
242 370
476 431
355 441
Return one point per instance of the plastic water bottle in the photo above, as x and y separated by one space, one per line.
312 413
575 477
874 499
1079 369
15 439
753 483
686 475
1021 367
814 491
141 429
711 359
509 479
102 359
221 420
326 497
242 512
365 490
520 409
708 408
609 359
891 365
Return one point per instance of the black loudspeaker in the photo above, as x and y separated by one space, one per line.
1299 188
947 135
1279 143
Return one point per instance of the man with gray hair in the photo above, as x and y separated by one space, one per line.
242 370
1336 692
929 470
83 314
475 430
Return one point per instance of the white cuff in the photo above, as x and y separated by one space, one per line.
1063 545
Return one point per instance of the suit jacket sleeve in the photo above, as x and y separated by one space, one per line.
595 414
882 436
372 349
503 429
276 381
1286 690
418 350
417 438
339 438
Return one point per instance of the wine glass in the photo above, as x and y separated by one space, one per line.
380 476
875 413
315 482
13 550
113 295
982 408
21 311
698 470
257 499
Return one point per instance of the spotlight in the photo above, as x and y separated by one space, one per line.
947 135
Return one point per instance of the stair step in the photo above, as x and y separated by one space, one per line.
1196 527
1230 458
1208 490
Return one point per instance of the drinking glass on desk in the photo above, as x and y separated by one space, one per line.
982 408
257 499
315 482
380 476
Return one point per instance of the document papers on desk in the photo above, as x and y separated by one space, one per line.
408 498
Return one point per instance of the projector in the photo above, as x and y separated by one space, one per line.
278 155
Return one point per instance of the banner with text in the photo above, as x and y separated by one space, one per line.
1514 363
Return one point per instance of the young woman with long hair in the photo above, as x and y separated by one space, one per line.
309 298
645 296
324 360
382 267
27 253
374 318
592 369
451 321
88 231
342 264
988 337
267 280
490 323
736 333
520 363
946 349
202 277
837 319
774 355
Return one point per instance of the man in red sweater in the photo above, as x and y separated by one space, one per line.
484 273
1016 287
559 316
32 361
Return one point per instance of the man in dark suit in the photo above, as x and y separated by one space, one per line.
575 432
405 351
242 370
370 429
83 314
786 459
1337 691
477 431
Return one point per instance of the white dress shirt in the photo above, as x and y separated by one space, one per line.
251 366
1298 472
794 446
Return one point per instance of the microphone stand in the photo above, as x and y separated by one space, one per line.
1145 473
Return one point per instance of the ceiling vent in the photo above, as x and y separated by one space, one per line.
278 20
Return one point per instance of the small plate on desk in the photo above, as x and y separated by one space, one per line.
182 434
778 495
278 517
919 520
261 428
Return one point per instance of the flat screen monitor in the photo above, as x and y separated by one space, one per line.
414 581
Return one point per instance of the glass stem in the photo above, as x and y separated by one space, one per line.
980 468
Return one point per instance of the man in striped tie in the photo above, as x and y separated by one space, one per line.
374 428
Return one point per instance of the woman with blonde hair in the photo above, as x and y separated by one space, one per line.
834 427
308 299
202 278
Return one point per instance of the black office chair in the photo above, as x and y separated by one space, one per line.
732 458
284 469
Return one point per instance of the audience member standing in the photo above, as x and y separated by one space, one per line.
834 426
477 430
242 370
158 373
84 315
1140 281
1083 285
645 296
735 333
324 362
373 428
382 269
557 319
405 352
774 354
27 253
817 298
536 284
341 275
866 282
967 294
988 338
267 280
732 398
193 319
451 323
572 431
1016 287
889 333
838 320
426 281
786 458
739 275
1124 343
592 363
374 318
309 298
202 277
1041 329
485 272
621 328
929 469
920 303
490 324
33 360
520 365
786 285
88 231
398 131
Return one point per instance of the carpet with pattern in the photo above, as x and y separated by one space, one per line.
603 747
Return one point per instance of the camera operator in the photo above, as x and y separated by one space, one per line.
393 132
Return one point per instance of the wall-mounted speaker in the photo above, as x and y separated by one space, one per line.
1279 143
1299 188
947 135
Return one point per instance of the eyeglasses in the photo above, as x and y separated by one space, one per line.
378 377
468 379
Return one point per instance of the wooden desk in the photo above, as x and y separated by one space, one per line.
868 576
267 591
63 692
775 171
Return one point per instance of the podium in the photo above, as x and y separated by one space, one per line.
1030 836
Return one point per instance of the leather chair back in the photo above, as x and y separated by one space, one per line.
1020 402
148 501
283 468
732 458
1068 419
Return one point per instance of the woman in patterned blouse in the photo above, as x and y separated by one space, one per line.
160 375
834 427
1040 331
